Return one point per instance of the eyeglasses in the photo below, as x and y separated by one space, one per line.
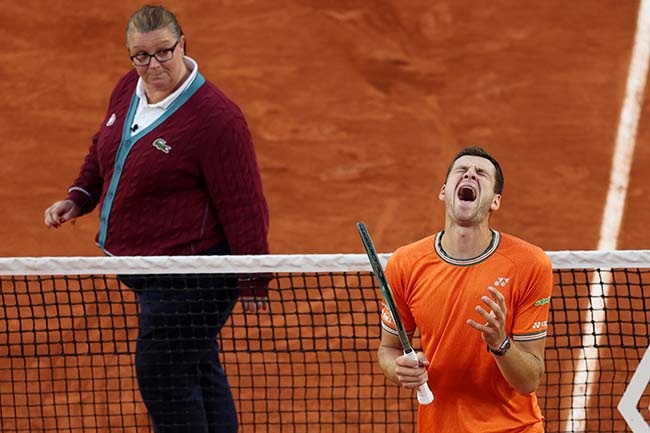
164 55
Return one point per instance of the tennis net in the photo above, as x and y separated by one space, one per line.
68 327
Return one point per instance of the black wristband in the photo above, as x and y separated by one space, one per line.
502 349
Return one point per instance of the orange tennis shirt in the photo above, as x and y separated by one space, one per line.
437 294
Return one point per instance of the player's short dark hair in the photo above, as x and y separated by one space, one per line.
480 152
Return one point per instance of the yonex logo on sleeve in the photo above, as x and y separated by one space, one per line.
542 324
543 301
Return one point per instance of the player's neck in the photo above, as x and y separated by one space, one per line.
466 242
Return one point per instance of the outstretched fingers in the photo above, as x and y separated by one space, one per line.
494 311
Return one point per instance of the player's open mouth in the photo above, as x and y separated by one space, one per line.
466 193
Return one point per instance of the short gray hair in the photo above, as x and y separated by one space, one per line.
153 17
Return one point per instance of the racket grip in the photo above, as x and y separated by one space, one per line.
425 396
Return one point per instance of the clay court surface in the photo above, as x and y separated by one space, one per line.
355 107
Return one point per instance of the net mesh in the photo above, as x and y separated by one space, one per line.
68 329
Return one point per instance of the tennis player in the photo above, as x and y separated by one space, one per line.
480 301
173 171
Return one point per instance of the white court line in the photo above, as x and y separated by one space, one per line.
612 218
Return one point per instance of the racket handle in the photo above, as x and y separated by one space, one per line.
425 396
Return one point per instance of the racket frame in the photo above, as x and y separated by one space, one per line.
425 396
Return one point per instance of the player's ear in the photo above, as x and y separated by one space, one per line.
441 195
496 202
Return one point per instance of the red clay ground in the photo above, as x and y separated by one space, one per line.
355 106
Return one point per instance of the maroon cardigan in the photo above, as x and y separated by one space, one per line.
199 187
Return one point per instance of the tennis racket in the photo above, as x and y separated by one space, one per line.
425 396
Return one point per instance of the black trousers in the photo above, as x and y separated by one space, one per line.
181 379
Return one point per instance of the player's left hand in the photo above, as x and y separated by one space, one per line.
493 330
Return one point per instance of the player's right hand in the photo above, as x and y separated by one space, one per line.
60 212
412 371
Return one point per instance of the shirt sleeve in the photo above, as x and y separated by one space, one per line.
531 315
87 188
396 277
234 183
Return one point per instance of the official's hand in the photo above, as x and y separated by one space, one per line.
60 212
253 304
